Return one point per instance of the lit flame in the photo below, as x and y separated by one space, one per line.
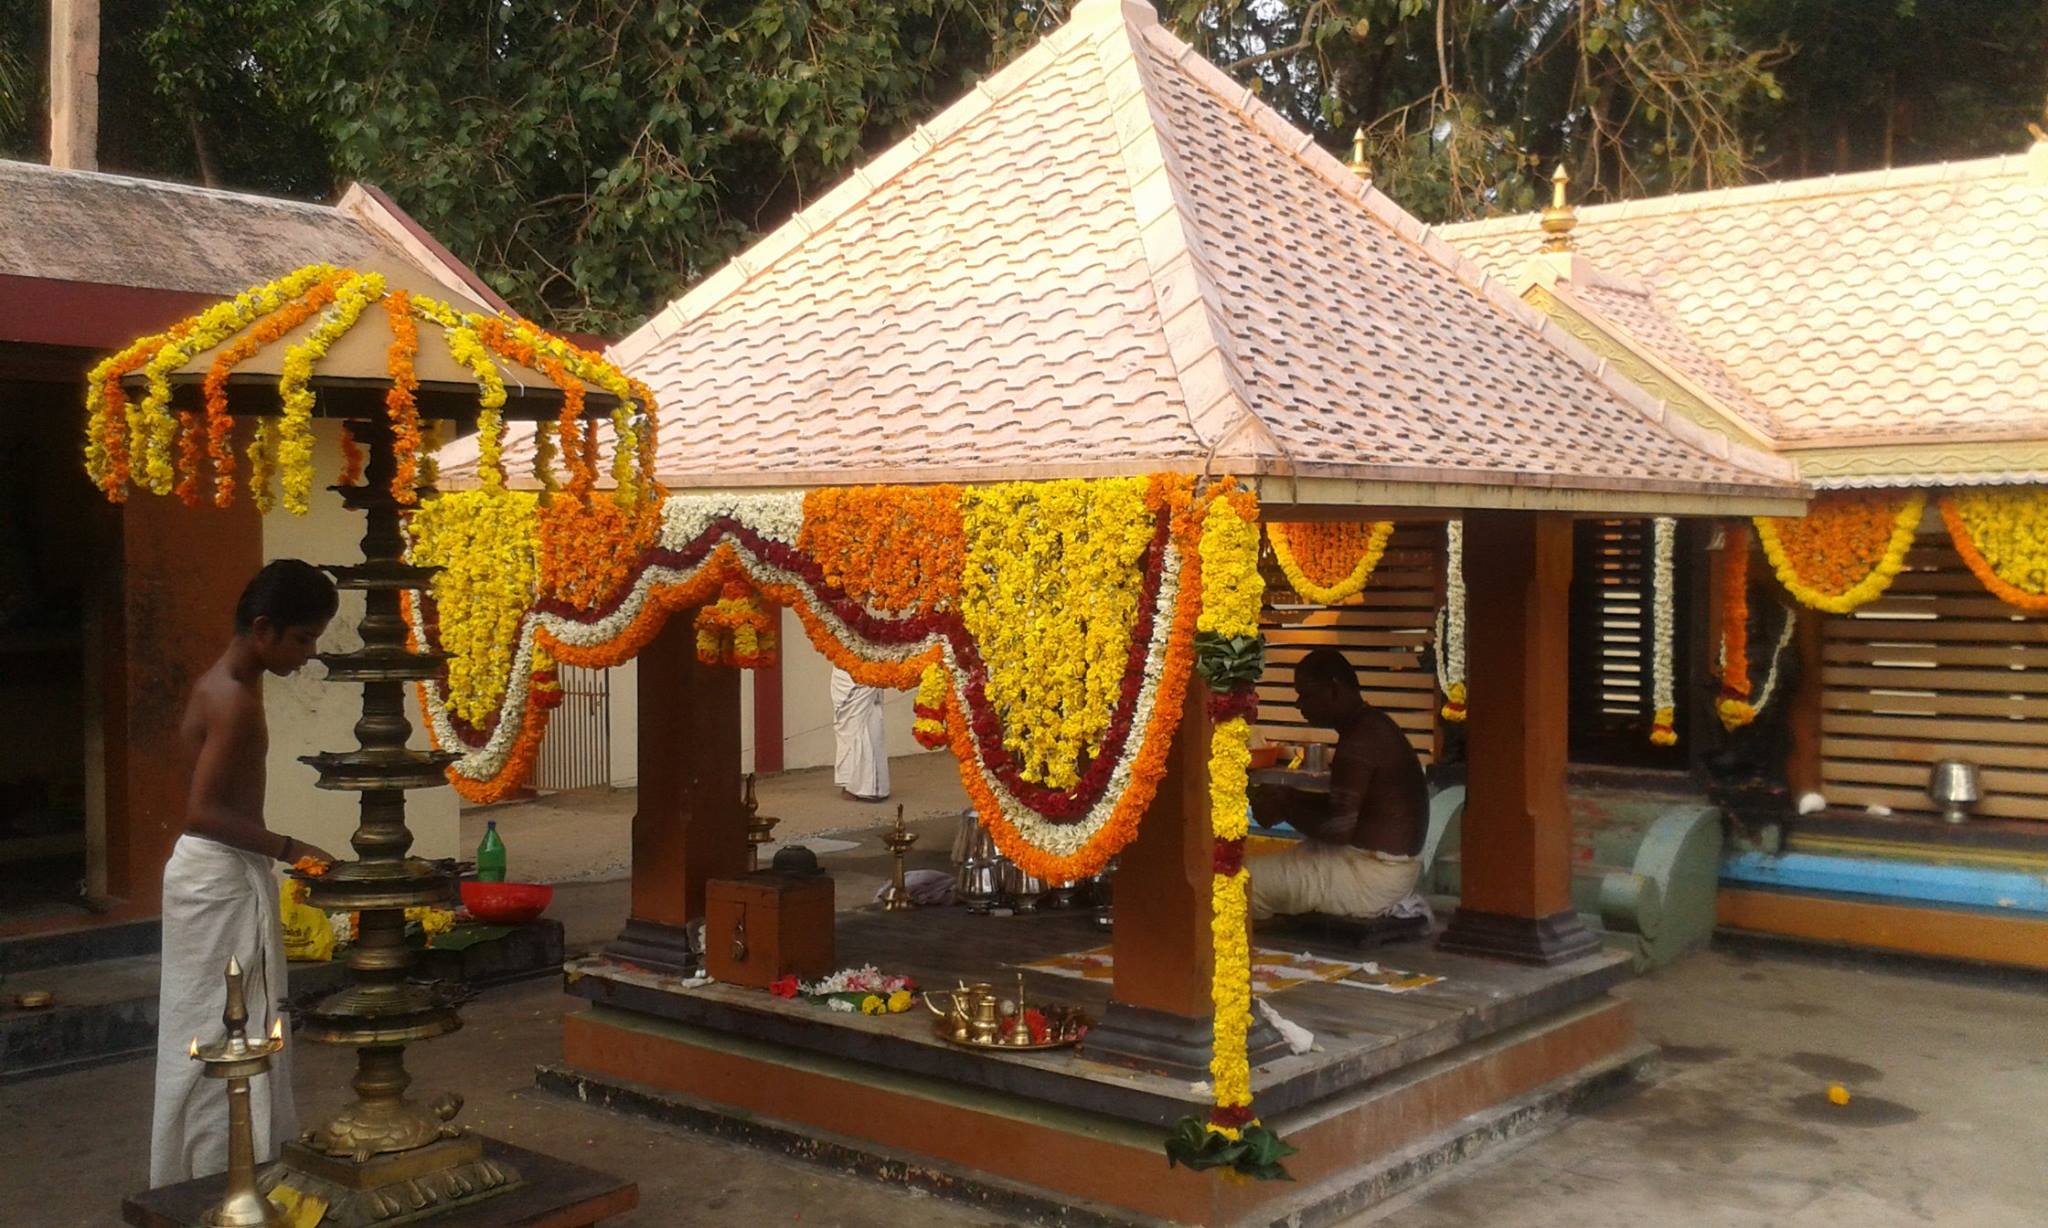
194 1050
277 1030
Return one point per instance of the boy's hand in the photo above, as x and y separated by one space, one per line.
305 850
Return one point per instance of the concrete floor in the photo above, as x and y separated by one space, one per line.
1944 1126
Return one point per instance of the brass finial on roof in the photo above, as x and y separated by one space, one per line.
1560 218
1359 166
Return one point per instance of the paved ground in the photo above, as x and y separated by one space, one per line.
584 836
1944 1126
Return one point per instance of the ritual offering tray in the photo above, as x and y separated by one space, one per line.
974 1017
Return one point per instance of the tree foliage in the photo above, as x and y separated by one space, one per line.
593 157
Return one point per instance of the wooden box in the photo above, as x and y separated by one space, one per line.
764 927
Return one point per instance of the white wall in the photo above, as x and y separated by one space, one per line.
807 704
307 713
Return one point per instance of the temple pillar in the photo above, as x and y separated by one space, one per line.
1516 839
1160 1015
1803 757
689 827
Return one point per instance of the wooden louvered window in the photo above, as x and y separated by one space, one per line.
1936 669
1612 619
1385 632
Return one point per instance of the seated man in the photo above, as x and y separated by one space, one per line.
1359 855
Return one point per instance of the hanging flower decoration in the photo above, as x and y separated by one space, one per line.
1663 729
1329 562
144 441
485 544
1450 625
1845 552
1229 658
894 549
2002 536
1769 688
928 711
738 630
1733 706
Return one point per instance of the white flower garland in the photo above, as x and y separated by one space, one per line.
1450 624
1770 683
777 517
1662 722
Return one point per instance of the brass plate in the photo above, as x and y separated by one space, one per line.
943 1033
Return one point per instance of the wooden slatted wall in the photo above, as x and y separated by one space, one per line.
1385 632
1936 669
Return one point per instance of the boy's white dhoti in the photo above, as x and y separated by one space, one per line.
860 763
1335 879
218 902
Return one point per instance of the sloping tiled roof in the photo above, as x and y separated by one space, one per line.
1111 258
82 226
1895 306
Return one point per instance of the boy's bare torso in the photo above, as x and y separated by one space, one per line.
227 742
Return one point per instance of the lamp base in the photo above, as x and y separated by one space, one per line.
394 1187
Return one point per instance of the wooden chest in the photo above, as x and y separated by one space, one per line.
763 927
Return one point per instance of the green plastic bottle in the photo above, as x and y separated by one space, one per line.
490 855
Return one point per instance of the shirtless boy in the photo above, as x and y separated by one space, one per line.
220 898
1358 857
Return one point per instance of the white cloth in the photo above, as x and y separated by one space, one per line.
218 902
1335 879
860 763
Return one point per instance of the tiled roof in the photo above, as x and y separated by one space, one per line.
112 230
1112 258
1893 306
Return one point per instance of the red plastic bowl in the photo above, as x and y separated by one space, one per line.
506 903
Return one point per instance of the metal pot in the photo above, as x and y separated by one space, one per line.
1022 888
1953 785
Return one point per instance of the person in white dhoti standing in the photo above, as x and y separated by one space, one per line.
220 897
860 763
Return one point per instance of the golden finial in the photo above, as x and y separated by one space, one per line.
1560 218
1359 166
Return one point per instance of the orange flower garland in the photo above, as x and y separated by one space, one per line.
351 458
1329 562
1733 706
736 630
400 403
191 451
214 388
590 548
895 549
1844 553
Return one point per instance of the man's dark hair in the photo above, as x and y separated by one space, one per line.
1326 667
290 593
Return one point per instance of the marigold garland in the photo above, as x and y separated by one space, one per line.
894 549
928 711
401 403
1845 552
319 292
351 458
1733 705
738 629
1329 562
2002 536
485 543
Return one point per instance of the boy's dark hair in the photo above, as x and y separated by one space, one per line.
1326 666
290 593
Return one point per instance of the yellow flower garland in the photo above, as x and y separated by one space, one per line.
1830 559
2002 536
1232 592
485 542
1050 594
1339 540
295 427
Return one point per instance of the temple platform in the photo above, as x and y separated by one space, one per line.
1396 1085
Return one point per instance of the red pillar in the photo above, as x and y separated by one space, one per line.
689 827
1516 834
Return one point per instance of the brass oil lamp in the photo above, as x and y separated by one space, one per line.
235 1060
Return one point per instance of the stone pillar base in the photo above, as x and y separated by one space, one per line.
1555 939
1168 1044
650 943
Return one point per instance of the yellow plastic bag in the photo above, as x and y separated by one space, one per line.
307 935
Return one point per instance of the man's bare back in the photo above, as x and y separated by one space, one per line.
227 742
1375 764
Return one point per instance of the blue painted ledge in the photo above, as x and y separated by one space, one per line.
1902 880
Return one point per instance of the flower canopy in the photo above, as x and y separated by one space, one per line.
160 413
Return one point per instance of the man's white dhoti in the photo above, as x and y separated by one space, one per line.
1336 879
218 902
860 763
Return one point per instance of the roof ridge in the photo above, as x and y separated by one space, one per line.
845 196
1812 187
168 185
1214 394
1431 245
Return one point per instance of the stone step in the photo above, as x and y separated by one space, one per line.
79 945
